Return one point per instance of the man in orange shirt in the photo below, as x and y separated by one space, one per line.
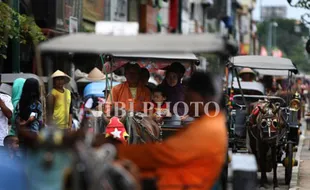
193 158
133 92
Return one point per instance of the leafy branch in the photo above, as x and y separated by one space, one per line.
27 32
300 4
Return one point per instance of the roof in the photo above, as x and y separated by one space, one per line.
264 62
11 77
272 72
176 56
142 43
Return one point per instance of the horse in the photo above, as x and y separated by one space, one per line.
265 128
54 157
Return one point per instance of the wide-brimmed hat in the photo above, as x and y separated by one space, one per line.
95 75
6 89
59 73
246 71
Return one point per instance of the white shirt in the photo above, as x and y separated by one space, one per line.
4 126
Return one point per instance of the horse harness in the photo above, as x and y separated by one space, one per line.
138 119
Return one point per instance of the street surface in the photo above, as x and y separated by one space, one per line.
304 173
281 174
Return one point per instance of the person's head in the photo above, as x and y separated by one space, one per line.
299 81
172 78
11 142
30 94
178 68
60 79
31 90
247 75
132 73
145 76
159 95
200 88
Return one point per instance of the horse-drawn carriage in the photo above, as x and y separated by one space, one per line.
264 125
85 162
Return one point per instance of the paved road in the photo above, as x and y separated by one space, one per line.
304 173
281 174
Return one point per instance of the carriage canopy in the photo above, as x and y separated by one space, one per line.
96 43
261 63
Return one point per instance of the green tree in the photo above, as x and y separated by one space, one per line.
288 40
300 4
28 32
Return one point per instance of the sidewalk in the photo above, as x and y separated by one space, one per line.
304 171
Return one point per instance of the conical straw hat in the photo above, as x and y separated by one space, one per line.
59 73
95 75
247 70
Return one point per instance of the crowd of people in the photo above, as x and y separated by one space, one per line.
172 161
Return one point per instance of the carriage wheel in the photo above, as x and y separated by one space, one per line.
289 166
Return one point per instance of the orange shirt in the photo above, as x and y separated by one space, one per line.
122 93
193 157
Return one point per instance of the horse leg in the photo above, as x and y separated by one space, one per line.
262 162
275 165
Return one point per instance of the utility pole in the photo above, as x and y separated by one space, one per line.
180 16
15 41
269 39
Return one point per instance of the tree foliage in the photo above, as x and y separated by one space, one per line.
300 3
289 41
28 32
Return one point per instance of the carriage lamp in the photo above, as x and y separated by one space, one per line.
295 103
275 123
264 123
285 162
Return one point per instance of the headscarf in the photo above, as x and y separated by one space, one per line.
175 93
17 90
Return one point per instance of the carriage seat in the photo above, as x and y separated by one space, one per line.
171 125
173 121
240 120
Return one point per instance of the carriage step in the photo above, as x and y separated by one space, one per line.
243 151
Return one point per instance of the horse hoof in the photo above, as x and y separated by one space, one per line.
276 188
262 188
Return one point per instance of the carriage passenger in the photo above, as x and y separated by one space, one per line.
131 93
247 75
173 88
192 158
159 105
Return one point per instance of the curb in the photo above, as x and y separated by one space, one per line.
295 173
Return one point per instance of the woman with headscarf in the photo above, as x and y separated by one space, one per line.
16 93
173 88
29 118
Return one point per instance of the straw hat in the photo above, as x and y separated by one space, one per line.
246 71
59 73
95 75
